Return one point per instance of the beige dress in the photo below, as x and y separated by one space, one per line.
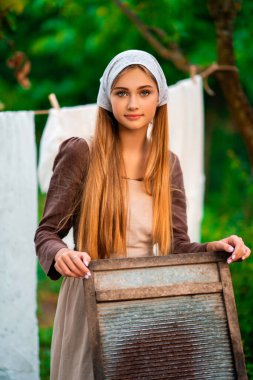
70 353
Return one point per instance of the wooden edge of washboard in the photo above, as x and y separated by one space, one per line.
224 286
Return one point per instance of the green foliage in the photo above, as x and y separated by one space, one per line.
45 336
229 210
15 6
69 43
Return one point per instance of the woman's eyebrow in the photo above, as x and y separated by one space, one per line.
125 88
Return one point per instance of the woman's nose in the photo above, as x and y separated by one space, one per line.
133 102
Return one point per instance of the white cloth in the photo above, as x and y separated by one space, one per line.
79 121
186 123
19 359
120 62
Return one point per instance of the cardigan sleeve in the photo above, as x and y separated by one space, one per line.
69 170
181 240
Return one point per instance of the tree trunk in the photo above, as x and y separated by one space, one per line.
223 14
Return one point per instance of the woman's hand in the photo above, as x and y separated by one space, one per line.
231 244
71 263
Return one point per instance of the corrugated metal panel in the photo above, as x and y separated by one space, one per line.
183 337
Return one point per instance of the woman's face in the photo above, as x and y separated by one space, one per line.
134 99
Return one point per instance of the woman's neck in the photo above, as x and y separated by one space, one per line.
133 142
135 151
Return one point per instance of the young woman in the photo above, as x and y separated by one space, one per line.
123 194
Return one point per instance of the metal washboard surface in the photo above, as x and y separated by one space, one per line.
170 317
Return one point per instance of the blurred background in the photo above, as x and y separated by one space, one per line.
63 46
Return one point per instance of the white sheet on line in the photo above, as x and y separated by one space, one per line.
19 349
186 120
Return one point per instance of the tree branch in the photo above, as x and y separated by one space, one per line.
171 53
223 13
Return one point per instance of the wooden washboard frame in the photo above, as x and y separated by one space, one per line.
170 317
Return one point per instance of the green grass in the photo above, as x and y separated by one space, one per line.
45 287
45 336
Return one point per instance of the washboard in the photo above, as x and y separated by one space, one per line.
170 317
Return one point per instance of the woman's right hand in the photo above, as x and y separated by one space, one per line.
70 263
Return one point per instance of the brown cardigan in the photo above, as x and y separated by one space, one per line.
69 170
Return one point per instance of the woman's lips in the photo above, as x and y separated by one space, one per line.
133 117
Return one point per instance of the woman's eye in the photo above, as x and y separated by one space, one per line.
145 92
121 93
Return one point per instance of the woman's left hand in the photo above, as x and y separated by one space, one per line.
231 244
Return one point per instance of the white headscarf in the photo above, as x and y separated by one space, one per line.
121 61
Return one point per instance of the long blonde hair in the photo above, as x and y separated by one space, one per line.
103 215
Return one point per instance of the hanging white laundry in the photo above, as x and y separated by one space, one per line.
186 140
186 124
19 348
66 122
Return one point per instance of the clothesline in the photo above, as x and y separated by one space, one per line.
41 112
186 132
54 102
192 71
